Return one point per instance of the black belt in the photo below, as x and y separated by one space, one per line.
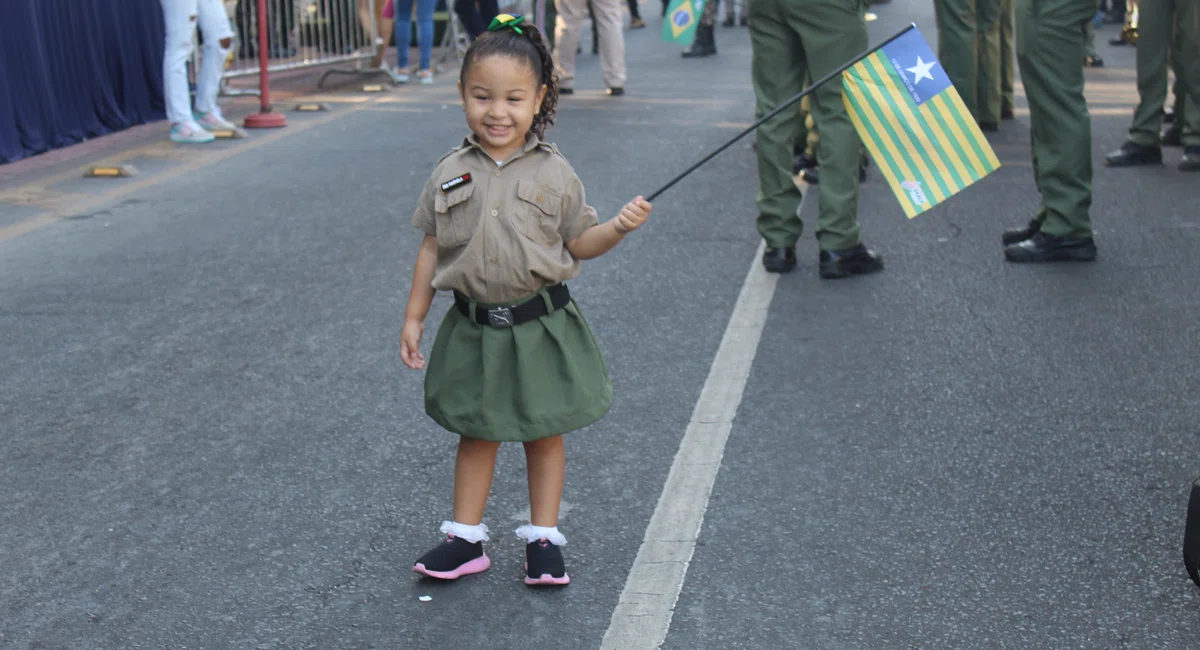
531 309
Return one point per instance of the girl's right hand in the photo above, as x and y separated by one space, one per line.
633 215
410 341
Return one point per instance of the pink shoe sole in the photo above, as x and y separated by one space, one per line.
547 579
478 565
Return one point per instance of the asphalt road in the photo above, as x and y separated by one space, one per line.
209 441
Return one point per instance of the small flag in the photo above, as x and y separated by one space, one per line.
915 125
682 18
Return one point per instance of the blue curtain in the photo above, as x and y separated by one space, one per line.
71 70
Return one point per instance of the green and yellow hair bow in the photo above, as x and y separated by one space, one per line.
507 21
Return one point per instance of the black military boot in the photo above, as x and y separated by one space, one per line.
1191 160
1018 235
1132 153
1048 248
704 45
779 260
1172 136
856 260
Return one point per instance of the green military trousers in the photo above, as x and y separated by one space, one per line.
1187 115
1007 61
791 41
988 98
1168 33
958 47
1050 42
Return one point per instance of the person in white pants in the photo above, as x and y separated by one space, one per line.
607 14
181 17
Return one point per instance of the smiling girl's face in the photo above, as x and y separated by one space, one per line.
501 95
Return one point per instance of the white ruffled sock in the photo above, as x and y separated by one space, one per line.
531 533
473 534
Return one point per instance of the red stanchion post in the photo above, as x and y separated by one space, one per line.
264 118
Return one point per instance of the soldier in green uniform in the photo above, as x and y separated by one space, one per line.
1166 29
988 102
1173 135
958 49
1050 42
791 41
1006 59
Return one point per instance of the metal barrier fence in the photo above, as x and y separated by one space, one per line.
310 33
307 33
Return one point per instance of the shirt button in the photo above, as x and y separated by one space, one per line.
493 260
497 172
494 213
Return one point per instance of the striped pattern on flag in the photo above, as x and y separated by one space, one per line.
928 148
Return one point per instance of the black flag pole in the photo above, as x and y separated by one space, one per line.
782 107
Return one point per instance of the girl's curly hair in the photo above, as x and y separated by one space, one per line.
529 46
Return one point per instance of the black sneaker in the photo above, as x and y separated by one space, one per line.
544 564
453 559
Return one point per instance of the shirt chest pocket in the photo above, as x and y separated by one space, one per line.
456 219
537 212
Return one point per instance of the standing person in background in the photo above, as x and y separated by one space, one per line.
1168 34
1091 58
1173 135
1130 25
742 5
958 47
1050 42
476 15
791 42
1006 60
988 102
705 43
181 18
611 41
635 16
404 11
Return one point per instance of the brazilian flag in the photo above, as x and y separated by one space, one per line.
682 18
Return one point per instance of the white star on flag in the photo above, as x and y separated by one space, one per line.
921 71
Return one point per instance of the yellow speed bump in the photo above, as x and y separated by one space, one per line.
373 88
312 107
110 171
229 133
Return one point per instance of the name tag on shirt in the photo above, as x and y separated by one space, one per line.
455 182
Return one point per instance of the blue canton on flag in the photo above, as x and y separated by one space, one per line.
917 66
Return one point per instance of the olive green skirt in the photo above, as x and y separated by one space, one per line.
534 380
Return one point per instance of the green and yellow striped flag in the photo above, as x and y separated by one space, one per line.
915 125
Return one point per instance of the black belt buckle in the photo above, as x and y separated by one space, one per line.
500 317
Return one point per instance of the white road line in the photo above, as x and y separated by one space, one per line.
643 613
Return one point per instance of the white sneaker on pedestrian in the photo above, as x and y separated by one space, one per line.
190 133
214 121
426 76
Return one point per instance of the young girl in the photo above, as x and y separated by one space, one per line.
505 224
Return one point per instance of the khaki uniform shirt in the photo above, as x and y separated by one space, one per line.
501 234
